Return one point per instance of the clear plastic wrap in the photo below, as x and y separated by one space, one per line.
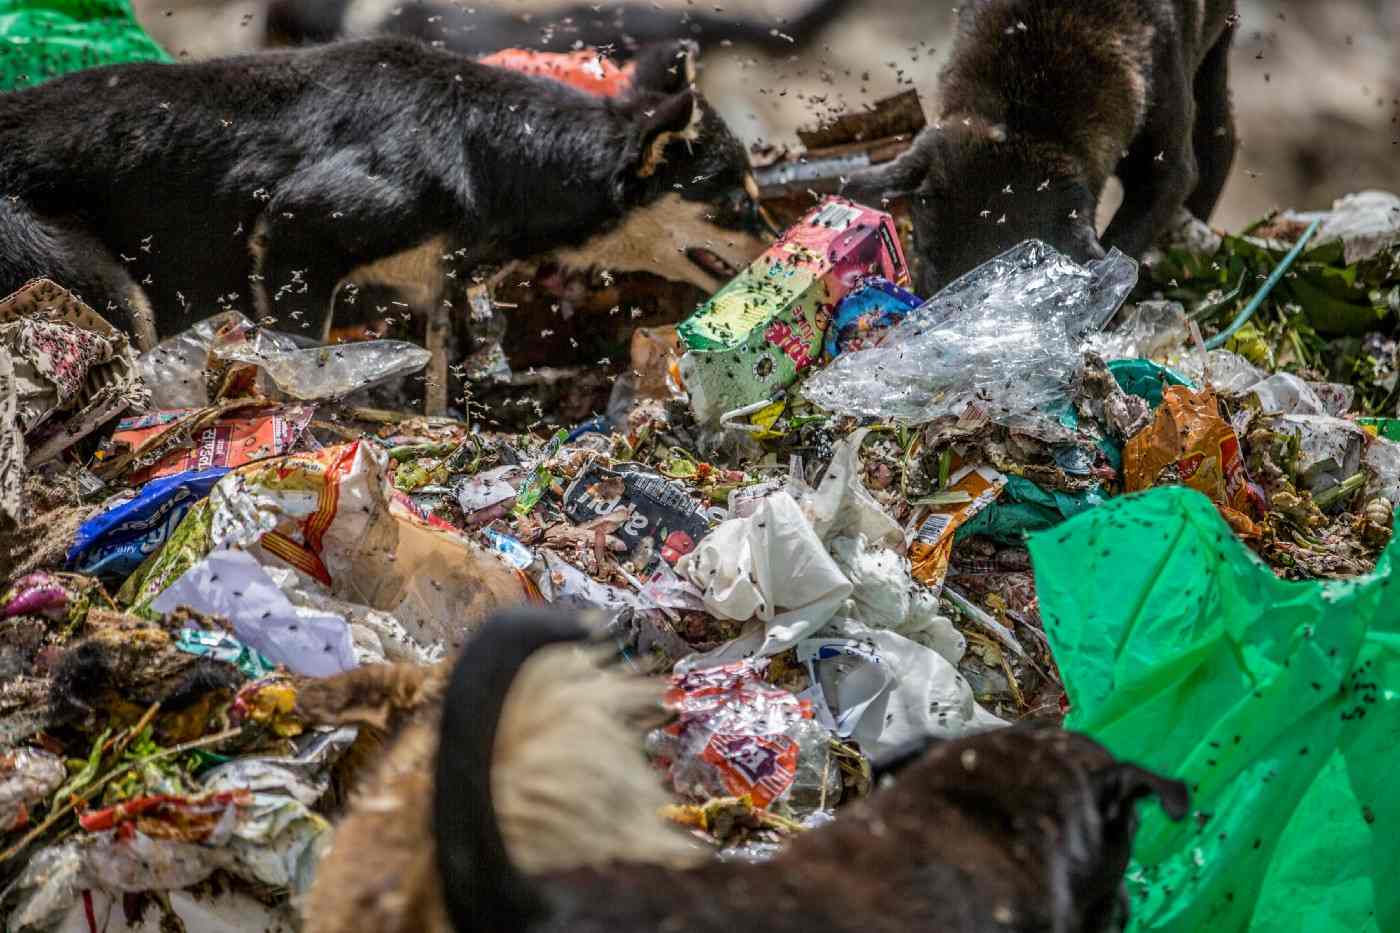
314 373
1005 337
177 370
1232 375
27 777
1148 330
174 369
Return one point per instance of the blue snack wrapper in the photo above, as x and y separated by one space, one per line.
113 544
860 318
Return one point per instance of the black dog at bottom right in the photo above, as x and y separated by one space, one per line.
1042 101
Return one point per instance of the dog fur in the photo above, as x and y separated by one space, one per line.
569 785
1022 829
263 182
1044 100
484 29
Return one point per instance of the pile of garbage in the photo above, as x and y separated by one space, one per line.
838 517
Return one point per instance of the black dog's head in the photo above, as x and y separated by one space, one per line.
1059 798
684 184
974 193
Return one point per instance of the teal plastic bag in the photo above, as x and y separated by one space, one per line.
42 39
1277 702
1144 378
1024 507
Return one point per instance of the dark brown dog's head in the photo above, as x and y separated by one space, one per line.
1060 798
974 193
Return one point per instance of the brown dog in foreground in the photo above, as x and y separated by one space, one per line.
521 803
1044 100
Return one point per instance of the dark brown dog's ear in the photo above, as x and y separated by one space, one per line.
665 68
670 119
1122 785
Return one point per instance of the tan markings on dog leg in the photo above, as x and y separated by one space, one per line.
419 273
143 317
438 342
654 239
257 248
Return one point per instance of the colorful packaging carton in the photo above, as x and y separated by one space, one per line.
768 324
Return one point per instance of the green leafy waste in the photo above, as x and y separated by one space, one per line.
1275 701
1313 321
42 39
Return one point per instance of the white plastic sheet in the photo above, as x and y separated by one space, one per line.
771 566
234 585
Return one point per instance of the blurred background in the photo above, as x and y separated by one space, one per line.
1316 87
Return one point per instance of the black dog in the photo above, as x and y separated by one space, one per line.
1043 100
1017 830
482 29
262 182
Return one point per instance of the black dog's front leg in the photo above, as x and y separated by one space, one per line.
324 222
1159 170
296 277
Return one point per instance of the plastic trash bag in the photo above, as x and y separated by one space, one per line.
1272 699
315 373
920 692
1232 375
771 566
1005 336
174 369
1329 449
27 777
1365 222
1154 330
885 596
234 585
43 39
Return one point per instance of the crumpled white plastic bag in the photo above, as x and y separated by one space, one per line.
926 696
234 585
841 505
771 566
884 595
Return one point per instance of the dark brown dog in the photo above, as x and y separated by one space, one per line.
1018 830
1043 100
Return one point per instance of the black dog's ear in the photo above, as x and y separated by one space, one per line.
659 124
896 179
665 68
1120 786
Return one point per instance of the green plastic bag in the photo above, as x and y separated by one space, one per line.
42 39
1277 702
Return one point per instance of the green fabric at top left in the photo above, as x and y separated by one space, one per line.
42 39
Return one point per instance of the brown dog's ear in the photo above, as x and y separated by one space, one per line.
665 68
1122 785
669 120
